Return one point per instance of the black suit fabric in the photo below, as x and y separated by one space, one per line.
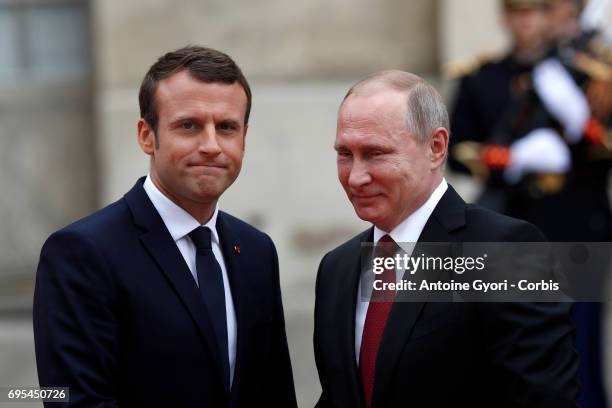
119 319
442 354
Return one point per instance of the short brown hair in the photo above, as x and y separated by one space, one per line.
204 64
525 4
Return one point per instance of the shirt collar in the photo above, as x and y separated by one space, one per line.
178 221
410 229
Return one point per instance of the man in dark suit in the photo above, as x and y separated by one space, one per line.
392 142
160 299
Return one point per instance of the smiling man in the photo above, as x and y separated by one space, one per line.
160 299
391 143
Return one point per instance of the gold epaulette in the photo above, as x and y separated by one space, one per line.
595 68
601 49
460 68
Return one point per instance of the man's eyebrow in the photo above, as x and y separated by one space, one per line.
376 147
182 117
231 121
369 146
185 117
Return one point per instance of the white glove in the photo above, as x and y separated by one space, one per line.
562 97
540 151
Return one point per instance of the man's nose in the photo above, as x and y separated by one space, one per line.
359 175
208 142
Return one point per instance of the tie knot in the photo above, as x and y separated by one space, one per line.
201 238
386 246
386 239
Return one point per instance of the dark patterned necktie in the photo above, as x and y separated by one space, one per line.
210 281
380 305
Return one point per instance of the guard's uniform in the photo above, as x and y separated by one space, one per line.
497 105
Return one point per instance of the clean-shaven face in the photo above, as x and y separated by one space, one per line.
200 134
384 171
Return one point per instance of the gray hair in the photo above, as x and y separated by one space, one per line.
425 110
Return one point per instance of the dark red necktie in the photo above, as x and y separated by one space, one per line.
376 319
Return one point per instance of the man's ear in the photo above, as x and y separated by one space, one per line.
438 147
146 137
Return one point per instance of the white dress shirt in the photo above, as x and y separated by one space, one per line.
180 223
407 232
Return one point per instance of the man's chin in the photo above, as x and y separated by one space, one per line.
206 194
207 188
367 214
206 197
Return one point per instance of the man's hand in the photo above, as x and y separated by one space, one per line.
540 151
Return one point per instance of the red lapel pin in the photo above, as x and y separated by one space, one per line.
237 249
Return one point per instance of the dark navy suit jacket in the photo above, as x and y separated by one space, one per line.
119 319
440 354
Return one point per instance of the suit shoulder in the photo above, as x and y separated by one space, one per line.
245 229
348 247
98 223
471 66
87 240
490 226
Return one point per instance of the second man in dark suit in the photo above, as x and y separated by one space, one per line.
391 144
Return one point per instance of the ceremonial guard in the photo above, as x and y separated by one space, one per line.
536 127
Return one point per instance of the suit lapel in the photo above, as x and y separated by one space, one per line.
448 215
230 246
347 301
162 248
239 282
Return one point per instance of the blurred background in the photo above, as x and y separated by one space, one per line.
69 77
